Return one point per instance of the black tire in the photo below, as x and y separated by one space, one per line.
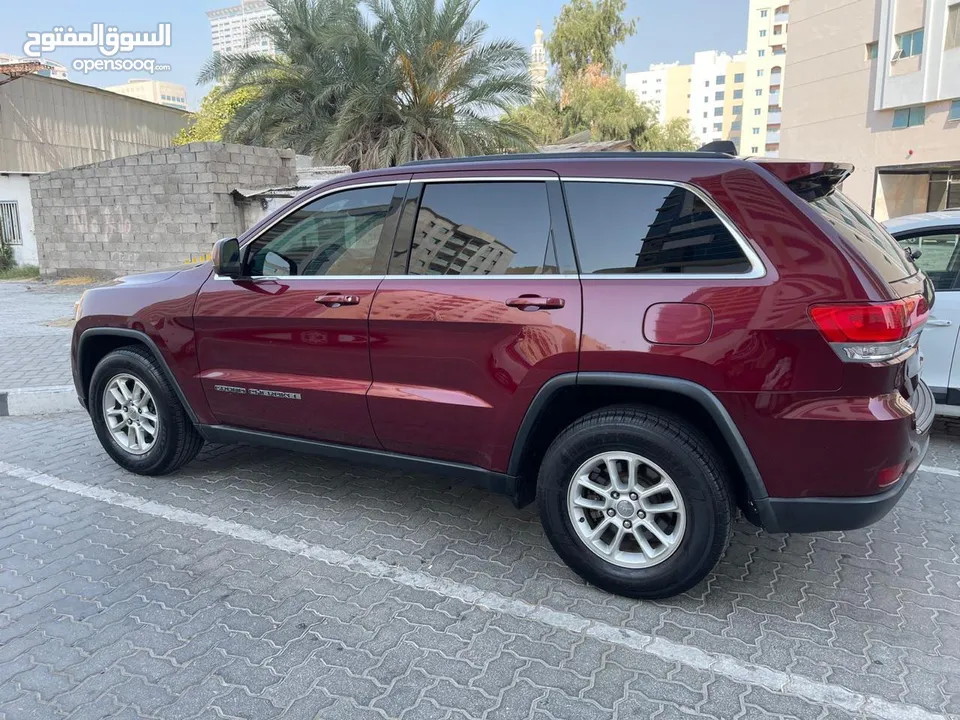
677 448
177 441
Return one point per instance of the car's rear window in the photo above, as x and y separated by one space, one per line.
866 235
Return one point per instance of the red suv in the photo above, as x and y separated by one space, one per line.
643 343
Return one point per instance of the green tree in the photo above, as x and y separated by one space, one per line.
599 104
587 33
216 109
410 79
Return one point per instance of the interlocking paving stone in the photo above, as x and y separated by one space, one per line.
105 611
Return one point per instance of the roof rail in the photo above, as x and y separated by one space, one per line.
617 155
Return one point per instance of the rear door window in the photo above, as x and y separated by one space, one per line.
627 228
866 235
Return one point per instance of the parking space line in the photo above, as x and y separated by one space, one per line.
720 664
939 470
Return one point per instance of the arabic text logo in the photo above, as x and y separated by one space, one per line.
105 38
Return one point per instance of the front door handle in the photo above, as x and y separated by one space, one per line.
535 302
939 323
335 300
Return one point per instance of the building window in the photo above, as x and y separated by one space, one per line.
10 223
763 13
757 111
758 92
738 109
717 127
706 98
754 149
910 43
718 95
706 83
735 126
705 115
738 78
954 114
761 53
704 130
763 33
953 28
721 79
756 131
717 112
778 29
872 50
737 94
760 72
779 50
909 117
659 79
643 82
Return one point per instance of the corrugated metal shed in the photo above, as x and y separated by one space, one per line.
48 124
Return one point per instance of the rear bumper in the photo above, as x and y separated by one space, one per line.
821 514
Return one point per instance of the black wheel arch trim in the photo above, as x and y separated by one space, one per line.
699 394
148 342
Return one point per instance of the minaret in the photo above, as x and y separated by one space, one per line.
538 60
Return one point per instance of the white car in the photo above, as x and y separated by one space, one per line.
934 240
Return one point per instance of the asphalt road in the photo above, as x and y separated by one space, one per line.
260 584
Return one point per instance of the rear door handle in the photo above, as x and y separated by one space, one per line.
334 300
939 323
535 302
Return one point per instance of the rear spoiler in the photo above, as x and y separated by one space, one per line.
809 180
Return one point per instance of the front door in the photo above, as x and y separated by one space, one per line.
484 310
940 259
286 349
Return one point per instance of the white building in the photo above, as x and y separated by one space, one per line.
16 217
538 60
156 91
232 29
650 86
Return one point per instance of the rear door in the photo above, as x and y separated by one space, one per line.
483 308
939 250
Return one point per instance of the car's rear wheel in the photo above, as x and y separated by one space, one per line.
138 416
635 501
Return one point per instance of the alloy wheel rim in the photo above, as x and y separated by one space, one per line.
130 414
626 509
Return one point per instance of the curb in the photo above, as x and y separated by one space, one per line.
39 400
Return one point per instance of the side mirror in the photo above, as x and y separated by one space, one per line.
226 258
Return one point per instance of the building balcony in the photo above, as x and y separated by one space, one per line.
773 98
776 78
773 138
781 17
774 118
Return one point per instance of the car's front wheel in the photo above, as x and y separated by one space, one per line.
138 416
635 502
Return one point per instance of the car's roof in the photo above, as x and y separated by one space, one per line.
920 221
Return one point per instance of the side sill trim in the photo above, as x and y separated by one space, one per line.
698 393
150 345
479 477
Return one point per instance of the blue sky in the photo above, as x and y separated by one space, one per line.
668 30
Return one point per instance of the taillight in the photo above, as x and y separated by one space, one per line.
871 332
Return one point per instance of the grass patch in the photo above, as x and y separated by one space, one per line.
21 272
81 280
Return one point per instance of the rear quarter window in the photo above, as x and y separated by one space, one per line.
649 228
868 236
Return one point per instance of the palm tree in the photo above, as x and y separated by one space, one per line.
409 80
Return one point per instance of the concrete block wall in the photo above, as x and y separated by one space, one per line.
153 210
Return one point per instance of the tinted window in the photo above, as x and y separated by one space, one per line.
865 234
334 235
483 228
938 256
633 228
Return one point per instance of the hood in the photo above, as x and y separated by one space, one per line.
148 278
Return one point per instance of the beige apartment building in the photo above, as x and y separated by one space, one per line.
877 83
155 91
727 97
